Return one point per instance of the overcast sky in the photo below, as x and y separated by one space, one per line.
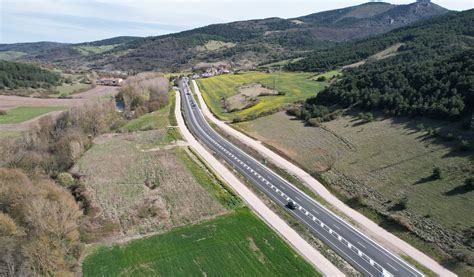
89 20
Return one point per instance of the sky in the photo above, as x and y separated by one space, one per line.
75 21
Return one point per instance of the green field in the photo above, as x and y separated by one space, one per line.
68 89
20 114
237 244
91 49
294 86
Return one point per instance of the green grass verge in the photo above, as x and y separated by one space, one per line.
419 266
68 89
206 178
21 114
293 87
238 244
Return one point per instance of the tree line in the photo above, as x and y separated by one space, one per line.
21 75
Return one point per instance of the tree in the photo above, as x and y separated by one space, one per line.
437 174
469 183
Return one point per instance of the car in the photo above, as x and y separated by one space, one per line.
291 205
187 93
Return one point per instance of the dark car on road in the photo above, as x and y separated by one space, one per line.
291 205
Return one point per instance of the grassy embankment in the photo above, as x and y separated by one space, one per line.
238 244
385 160
292 87
162 118
21 114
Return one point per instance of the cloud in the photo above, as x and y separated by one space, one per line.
87 20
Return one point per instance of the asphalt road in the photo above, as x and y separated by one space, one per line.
365 255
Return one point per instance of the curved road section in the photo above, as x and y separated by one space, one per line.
361 252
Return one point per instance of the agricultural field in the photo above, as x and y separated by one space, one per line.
237 244
385 162
139 184
21 114
291 87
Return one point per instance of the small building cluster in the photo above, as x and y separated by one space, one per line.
212 71
109 81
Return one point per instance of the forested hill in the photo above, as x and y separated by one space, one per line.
431 74
20 75
242 44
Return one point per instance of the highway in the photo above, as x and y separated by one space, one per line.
362 253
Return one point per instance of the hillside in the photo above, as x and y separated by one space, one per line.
430 74
20 75
243 44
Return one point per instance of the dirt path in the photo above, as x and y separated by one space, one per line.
272 219
9 102
368 227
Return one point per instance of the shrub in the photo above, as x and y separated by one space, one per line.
437 174
314 122
465 145
142 110
3 112
469 183
66 180
366 117
321 79
7 225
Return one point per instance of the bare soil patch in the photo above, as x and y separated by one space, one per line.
246 97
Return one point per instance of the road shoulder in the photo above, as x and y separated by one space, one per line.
268 216
374 231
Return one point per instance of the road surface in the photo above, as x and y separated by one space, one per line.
361 252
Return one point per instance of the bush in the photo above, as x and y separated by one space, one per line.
469 183
66 180
3 112
321 79
437 174
366 117
465 146
142 110
314 122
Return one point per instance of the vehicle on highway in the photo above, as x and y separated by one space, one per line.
291 205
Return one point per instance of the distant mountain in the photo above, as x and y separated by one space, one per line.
30 47
243 43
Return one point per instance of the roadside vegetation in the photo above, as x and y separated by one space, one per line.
235 244
21 114
46 207
38 214
388 169
290 88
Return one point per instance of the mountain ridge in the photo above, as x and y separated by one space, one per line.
253 41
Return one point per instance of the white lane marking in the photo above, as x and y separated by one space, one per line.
300 208
337 227
315 211
361 244
392 266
